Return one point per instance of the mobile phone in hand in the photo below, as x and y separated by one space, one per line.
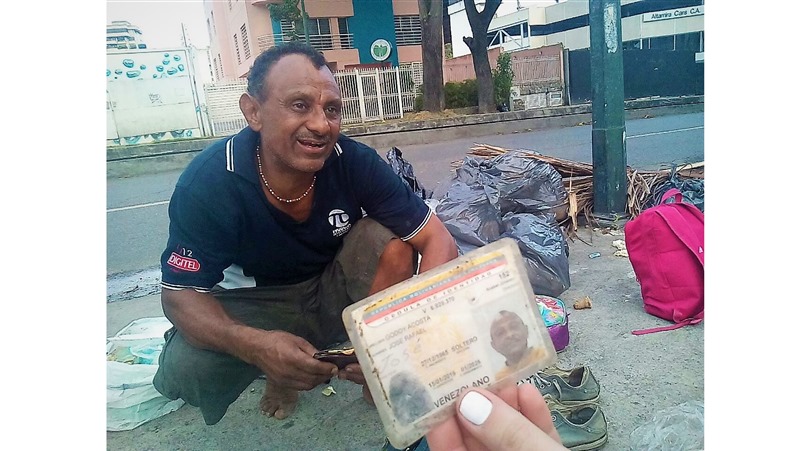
340 354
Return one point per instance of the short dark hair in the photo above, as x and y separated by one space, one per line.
257 77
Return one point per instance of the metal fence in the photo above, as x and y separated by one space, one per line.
376 94
367 95
379 94
416 73
222 106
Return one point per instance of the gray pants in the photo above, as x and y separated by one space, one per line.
312 309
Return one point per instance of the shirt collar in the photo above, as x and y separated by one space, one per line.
240 154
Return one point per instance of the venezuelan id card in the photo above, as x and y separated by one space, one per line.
472 322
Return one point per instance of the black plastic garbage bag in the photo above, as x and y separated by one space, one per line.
693 191
404 169
511 196
466 212
515 184
544 249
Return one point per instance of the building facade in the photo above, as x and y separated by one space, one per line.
122 35
350 33
153 93
646 25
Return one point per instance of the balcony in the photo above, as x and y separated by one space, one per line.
321 42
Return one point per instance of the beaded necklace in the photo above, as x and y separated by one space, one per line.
288 201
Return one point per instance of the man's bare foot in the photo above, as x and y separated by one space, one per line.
367 395
278 401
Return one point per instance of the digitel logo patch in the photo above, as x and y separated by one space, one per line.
183 263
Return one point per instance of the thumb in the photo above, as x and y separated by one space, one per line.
499 426
304 345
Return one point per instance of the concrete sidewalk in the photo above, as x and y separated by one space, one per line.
639 375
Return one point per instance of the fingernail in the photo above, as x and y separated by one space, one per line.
475 407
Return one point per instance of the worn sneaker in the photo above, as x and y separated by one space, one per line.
419 445
581 427
568 387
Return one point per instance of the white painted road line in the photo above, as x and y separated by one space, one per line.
665 132
133 207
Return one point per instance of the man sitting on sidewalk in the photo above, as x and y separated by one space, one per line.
273 232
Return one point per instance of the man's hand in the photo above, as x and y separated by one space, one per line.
353 373
287 360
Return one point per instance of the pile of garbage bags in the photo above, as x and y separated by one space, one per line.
693 190
511 196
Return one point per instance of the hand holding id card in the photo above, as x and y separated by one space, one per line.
472 322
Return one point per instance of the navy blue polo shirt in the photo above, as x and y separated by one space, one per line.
224 231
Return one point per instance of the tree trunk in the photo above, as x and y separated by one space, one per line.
430 13
478 43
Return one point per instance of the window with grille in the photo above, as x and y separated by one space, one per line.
319 32
245 41
344 33
236 44
287 27
408 30
319 26
216 70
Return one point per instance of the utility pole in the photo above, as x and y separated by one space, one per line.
183 35
610 181
305 23
198 108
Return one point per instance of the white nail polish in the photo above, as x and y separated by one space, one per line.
475 408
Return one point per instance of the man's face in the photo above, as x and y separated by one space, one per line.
301 116
509 336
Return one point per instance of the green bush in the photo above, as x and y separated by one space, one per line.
502 76
461 95
419 101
